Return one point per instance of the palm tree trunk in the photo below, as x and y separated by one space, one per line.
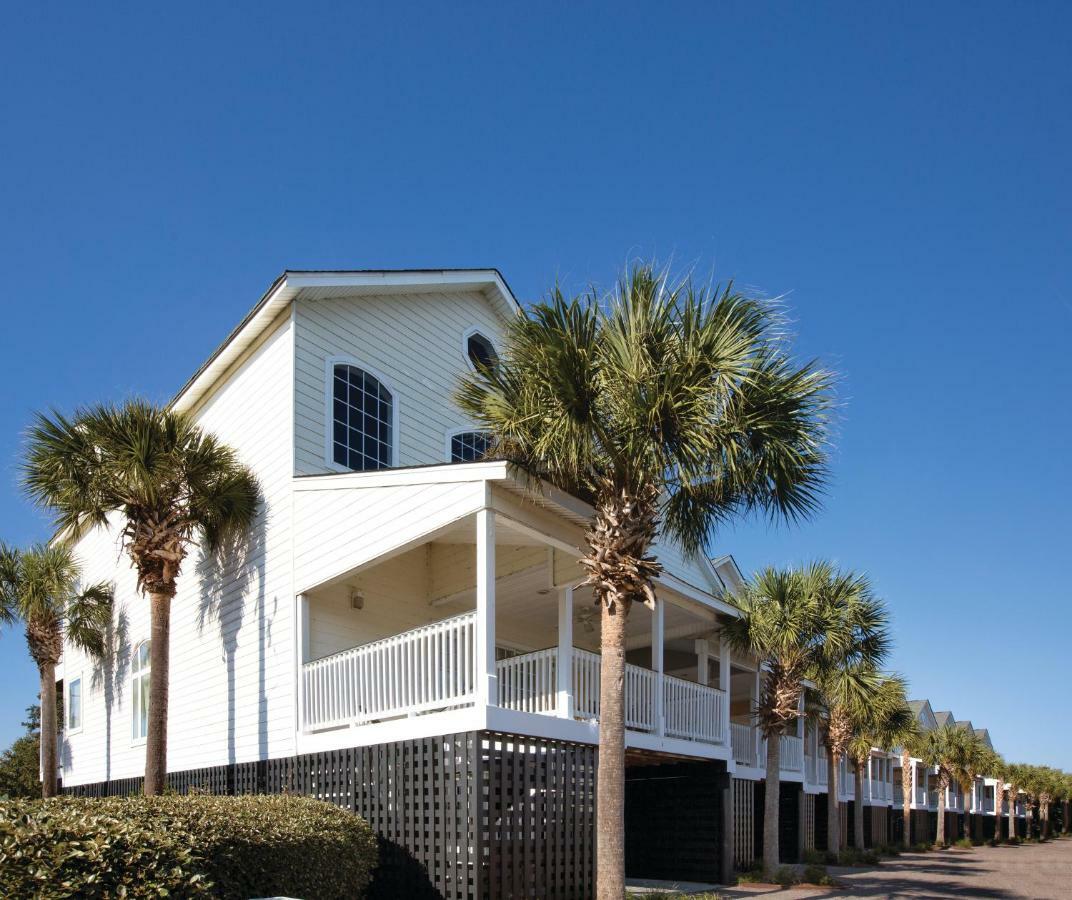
833 816
906 798
1068 819
159 661
771 796
940 836
1044 814
858 810
610 775
1012 813
47 672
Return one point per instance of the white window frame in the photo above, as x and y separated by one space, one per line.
137 676
453 433
67 727
329 409
468 333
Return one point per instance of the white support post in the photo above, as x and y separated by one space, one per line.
913 782
703 673
565 653
756 738
800 718
725 685
301 652
870 779
657 632
486 686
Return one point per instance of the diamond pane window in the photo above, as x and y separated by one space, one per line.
361 426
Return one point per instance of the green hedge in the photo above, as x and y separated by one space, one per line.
183 846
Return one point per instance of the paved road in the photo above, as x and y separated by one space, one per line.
1033 871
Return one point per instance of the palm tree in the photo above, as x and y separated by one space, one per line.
941 748
972 758
663 406
797 623
997 769
40 587
907 738
880 723
1013 773
169 485
846 692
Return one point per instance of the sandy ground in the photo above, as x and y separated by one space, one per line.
1032 871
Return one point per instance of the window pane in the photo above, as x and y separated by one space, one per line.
469 446
74 704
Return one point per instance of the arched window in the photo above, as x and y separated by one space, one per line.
480 351
469 446
139 691
362 420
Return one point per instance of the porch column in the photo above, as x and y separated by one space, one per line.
657 634
913 782
564 667
870 780
301 653
487 692
703 672
725 685
756 737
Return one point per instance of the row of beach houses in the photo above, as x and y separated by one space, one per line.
404 632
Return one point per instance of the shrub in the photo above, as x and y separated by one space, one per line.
785 876
818 875
966 843
192 846
850 856
814 857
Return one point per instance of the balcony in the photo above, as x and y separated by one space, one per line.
432 668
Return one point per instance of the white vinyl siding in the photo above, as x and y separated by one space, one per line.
414 341
232 647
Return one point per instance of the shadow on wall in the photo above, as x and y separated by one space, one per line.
110 672
233 597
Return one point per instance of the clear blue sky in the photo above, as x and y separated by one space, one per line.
902 173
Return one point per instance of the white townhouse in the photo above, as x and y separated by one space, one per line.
404 632
975 811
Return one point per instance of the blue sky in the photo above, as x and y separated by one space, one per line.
900 172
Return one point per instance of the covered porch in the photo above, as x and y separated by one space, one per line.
482 621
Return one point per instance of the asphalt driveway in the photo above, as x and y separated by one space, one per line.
1035 871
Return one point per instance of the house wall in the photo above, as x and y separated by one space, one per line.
414 341
232 652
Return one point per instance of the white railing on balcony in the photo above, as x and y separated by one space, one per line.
692 711
743 740
432 668
428 668
527 682
639 691
921 797
791 753
822 770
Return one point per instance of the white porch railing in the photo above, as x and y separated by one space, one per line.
527 682
921 797
433 667
791 753
693 711
430 667
743 739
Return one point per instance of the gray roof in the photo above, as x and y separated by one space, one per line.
945 717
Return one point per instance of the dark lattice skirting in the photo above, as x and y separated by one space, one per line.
471 816
790 840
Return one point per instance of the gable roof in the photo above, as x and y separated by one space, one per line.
984 735
924 713
944 717
320 284
729 573
966 725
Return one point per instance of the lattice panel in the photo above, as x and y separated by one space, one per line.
744 823
809 821
880 818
